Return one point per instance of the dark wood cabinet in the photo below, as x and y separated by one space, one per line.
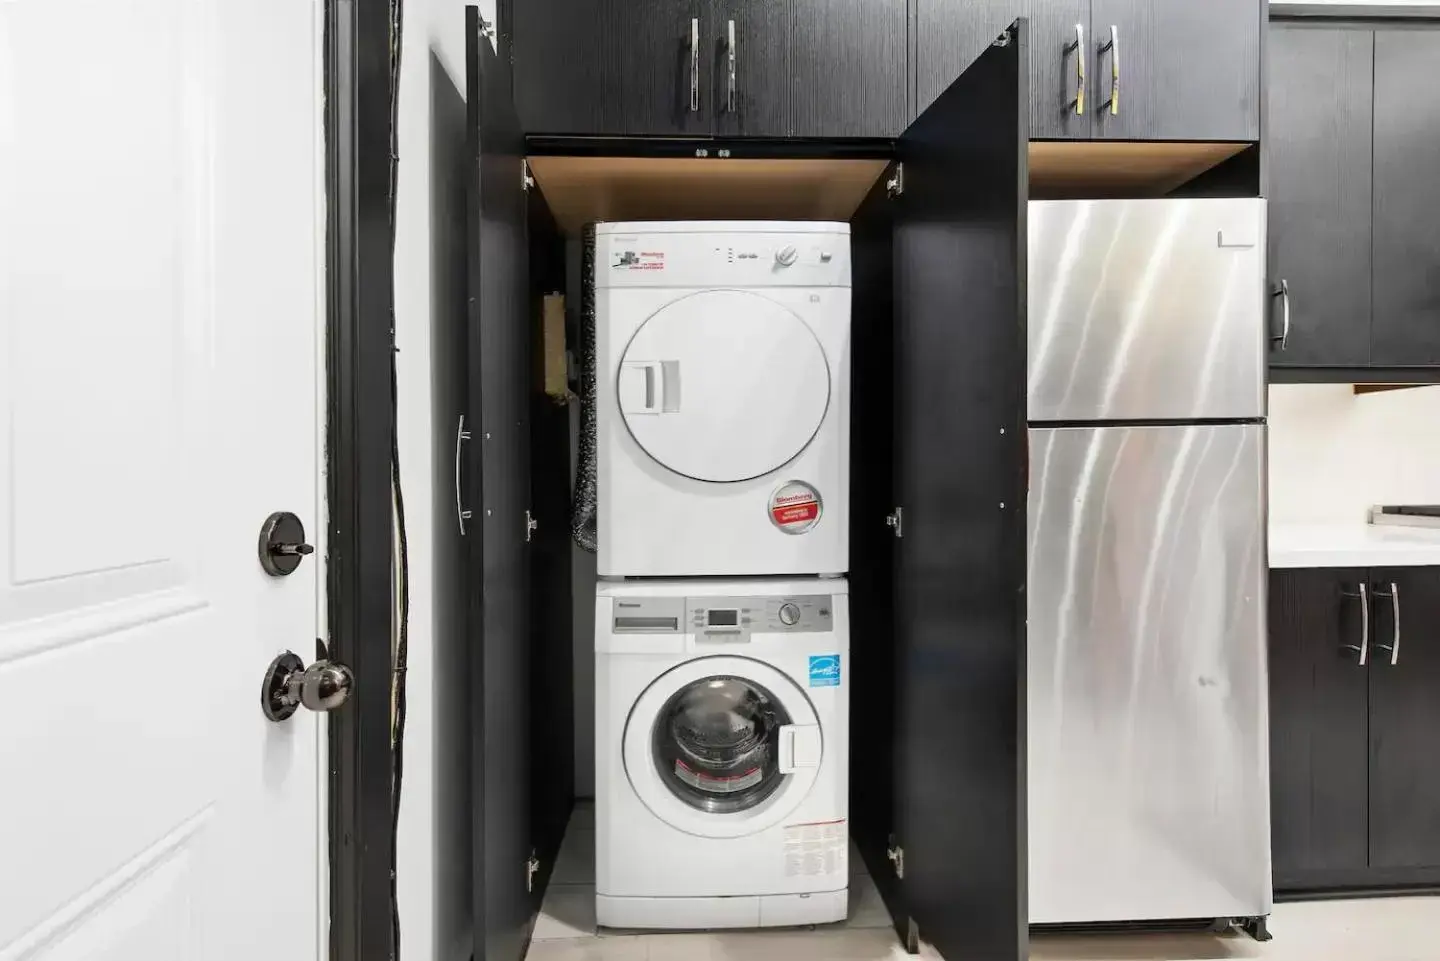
1318 149
733 68
1354 668
1182 70
1405 326
848 71
1318 723
1405 719
586 67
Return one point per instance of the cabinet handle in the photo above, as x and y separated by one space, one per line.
1079 49
695 65
732 54
1283 292
1394 646
1364 647
1113 46
461 436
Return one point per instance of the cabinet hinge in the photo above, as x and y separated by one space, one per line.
487 28
1003 40
896 521
531 526
896 854
895 186
526 180
532 865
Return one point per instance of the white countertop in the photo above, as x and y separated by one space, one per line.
1353 545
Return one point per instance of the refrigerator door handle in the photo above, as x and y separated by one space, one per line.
1363 648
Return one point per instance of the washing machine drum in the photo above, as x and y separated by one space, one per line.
716 744
724 386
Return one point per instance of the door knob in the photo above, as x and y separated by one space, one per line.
289 685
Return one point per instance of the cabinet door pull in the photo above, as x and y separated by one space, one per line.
1078 47
1283 292
695 65
732 54
461 514
1394 646
1113 46
1364 647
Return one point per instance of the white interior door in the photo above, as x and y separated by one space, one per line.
161 249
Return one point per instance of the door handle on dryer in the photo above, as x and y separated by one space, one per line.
660 392
799 747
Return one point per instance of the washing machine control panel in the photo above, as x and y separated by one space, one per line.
725 618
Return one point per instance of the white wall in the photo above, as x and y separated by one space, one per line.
1335 453
433 870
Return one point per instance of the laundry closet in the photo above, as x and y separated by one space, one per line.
933 497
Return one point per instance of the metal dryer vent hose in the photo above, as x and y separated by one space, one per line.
582 515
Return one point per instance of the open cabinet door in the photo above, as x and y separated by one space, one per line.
494 485
960 479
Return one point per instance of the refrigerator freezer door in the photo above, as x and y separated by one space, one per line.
1147 309
1148 726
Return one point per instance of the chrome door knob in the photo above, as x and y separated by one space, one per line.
290 685
786 255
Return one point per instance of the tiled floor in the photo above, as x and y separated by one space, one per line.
1381 929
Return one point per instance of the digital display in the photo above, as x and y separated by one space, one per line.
730 618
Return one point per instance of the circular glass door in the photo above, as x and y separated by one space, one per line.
716 744
723 385
702 746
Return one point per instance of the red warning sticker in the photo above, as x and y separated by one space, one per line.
795 507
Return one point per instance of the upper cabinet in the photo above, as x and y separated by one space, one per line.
1352 146
1405 329
1112 69
1318 152
737 68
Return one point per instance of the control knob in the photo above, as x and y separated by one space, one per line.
789 614
786 255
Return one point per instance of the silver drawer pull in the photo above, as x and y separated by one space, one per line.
695 65
1364 647
1394 646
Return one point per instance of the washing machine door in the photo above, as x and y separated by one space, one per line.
724 385
722 747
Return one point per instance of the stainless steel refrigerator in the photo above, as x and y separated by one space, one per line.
1148 761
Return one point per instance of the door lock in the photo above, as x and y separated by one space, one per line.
289 685
282 544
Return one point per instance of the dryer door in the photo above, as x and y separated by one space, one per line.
722 746
724 385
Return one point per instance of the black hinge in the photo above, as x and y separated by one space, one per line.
526 180
895 186
896 854
896 521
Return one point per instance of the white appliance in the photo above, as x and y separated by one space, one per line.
722 398
721 743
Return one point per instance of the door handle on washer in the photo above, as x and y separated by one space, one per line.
799 747
660 393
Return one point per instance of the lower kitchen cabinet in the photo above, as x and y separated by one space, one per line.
1405 719
1354 714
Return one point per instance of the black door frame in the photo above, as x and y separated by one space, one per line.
359 88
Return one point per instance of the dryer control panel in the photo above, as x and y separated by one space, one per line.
723 260
725 618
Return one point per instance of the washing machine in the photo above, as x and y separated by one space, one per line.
722 398
721 753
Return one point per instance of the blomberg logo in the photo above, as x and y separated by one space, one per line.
795 507
806 498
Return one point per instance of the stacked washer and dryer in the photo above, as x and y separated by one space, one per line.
722 620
